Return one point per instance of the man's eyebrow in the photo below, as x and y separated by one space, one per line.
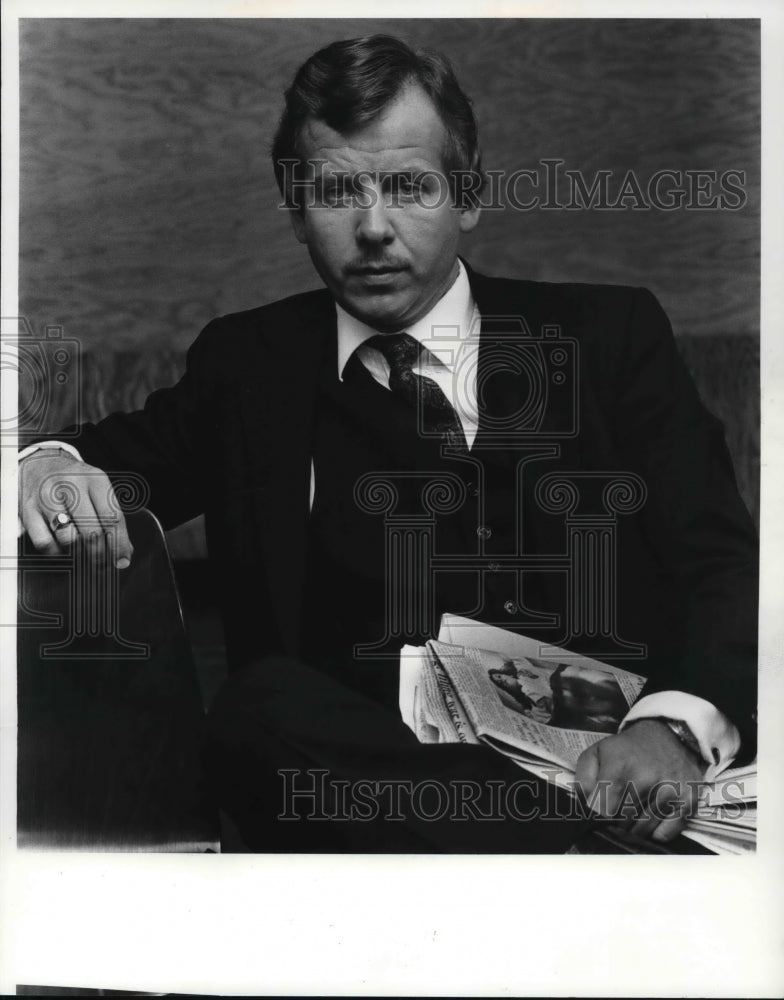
391 150
404 158
411 170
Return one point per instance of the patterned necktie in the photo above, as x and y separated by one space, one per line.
437 415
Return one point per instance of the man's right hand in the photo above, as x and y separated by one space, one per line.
52 482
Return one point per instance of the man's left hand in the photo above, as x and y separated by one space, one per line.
645 777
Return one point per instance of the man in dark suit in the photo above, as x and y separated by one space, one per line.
477 424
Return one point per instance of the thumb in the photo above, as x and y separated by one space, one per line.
669 829
678 810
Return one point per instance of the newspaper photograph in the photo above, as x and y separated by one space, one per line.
536 709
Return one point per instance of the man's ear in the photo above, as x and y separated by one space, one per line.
298 224
469 218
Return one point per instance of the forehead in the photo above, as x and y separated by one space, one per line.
408 133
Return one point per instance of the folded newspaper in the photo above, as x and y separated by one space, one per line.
541 707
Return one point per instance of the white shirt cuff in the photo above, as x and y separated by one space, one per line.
718 739
40 446
49 444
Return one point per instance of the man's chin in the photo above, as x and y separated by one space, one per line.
381 309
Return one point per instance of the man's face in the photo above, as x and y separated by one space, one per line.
505 681
385 250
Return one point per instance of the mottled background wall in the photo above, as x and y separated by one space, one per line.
148 203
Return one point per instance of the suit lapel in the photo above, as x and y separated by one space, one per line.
520 368
278 415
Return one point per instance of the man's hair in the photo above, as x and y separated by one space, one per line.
349 83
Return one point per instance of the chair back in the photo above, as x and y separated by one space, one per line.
109 709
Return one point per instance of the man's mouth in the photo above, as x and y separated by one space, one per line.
375 270
381 276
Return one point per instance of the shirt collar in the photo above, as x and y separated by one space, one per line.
442 330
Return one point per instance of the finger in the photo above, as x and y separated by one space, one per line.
93 541
38 520
670 812
604 786
670 803
587 774
118 559
67 493
610 786
645 827
631 806
669 829
66 537
112 521
626 798
64 533
661 803
587 770
39 532
91 538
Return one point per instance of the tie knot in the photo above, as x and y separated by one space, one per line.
400 350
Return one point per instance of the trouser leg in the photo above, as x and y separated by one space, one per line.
302 762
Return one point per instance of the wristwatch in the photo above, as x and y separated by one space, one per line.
679 728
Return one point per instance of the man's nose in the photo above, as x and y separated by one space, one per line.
374 224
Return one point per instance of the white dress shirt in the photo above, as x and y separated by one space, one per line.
450 333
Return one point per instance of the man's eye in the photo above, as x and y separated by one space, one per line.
336 198
403 186
335 195
336 190
409 187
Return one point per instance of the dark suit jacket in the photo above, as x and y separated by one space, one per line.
233 440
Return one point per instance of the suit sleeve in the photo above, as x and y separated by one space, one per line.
164 443
694 519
